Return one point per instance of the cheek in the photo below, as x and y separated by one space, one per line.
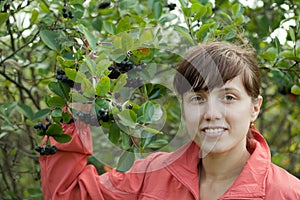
192 116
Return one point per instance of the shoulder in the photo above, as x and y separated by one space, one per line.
281 184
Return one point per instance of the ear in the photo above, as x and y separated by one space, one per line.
256 108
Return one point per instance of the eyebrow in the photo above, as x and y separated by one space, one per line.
229 89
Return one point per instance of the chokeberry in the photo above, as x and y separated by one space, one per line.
53 150
38 126
171 6
42 152
129 106
104 5
47 149
71 16
114 74
59 71
38 149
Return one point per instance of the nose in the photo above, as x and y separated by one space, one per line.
213 110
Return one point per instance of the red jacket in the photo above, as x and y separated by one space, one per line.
161 176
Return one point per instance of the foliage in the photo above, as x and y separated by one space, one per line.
90 44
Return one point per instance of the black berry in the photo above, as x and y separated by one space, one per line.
52 150
38 149
47 149
104 5
70 15
129 106
171 6
114 74
38 126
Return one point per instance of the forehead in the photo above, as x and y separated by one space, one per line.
235 84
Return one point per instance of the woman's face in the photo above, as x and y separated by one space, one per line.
218 120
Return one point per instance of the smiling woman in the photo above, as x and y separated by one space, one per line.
225 159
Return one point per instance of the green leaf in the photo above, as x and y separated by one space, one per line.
76 97
56 113
158 143
7 108
126 4
41 114
125 162
167 18
146 36
123 25
295 89
109 27
44 7
34 16
126 141
127 118
56 101
127 42
62 138
199 10
157 9
152 130
114 133
184 32
237 9
76 76
92 40
226 17
103 86
54 129
66 117
292 34
270 54
91 65
149 112
101 103
60 88
119 83
25 110
50 38
3 18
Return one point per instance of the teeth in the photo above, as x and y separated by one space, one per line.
213 130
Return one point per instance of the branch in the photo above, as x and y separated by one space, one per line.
23 46
21 87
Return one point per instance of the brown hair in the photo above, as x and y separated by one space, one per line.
212 65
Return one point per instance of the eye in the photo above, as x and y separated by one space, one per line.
197 99
229 97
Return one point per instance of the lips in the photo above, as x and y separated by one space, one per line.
213 131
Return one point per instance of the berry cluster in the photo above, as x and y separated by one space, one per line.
88 118
41 126
47 150
103 115
67 14
92 119
124 67
61 76
104 5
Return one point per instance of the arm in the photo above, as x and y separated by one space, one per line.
66 175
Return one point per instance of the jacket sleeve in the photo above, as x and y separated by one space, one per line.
66 175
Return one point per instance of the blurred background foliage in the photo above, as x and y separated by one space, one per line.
38 37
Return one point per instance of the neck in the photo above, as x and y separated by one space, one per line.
224 166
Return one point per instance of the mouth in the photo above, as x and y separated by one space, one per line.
213 131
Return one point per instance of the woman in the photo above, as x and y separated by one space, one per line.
226 159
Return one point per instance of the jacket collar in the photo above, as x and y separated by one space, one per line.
249 184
